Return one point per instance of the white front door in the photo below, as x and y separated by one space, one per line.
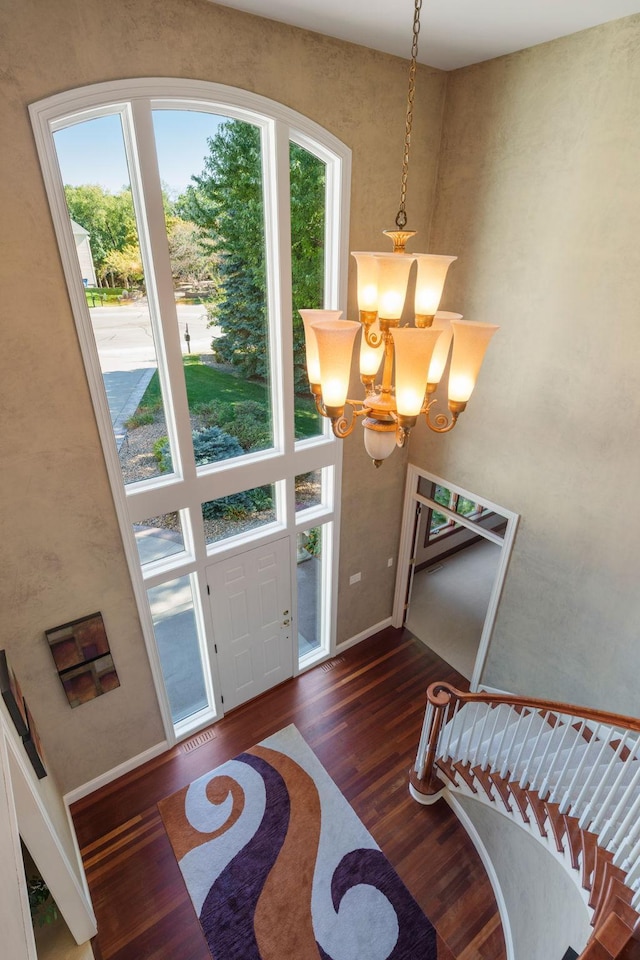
250 597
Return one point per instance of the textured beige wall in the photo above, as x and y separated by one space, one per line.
539 195
62 553
546 910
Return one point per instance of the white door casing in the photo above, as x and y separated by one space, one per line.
250 596
407 545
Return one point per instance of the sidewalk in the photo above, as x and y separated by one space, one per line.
125 389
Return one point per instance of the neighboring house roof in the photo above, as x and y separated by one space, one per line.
78 230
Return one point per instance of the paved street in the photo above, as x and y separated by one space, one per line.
127 353
124 340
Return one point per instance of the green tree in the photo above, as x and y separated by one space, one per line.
125 264
226 201
108 217
193 260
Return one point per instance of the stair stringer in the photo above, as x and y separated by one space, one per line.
561 862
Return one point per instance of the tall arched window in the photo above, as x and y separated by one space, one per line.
194 220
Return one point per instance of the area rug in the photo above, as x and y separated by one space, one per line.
279 867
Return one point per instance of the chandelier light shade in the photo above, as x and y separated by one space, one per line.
393 279
335 340
413 350
367 282
413 358
441 322
371 357
470 341
309 317
432 273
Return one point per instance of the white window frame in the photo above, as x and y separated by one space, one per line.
135 99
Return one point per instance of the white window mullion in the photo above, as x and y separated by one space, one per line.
152 232
277 213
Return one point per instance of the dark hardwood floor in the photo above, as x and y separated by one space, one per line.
361 713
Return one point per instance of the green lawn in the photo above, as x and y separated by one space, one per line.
206 384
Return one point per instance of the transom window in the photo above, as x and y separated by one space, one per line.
194 221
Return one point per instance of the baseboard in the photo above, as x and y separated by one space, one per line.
79 793
487 862
364 635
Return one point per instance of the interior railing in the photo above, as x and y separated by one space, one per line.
573 771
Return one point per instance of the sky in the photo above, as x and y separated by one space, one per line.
93 151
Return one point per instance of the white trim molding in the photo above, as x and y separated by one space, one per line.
363 635
79 793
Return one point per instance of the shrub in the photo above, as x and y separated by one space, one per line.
210 446
248 422
214 444
143 416
212 413
162 454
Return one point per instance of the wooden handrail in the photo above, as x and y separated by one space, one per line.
440 695
554 706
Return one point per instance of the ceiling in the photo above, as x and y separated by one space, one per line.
454 33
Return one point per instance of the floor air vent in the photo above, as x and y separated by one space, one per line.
330 664
198 740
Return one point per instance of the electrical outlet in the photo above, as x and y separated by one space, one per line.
390 562
354 578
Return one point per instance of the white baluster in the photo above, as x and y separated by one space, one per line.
506 766
579 742
421 755
473 749
629 850
566 802
609 800
448 731
511 724
547 750
633 865
609 832
487 752
525 773
586 815
568 728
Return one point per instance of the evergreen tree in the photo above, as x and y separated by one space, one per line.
226 200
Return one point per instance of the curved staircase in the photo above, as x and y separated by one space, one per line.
570 774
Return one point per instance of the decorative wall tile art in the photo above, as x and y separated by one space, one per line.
12 695
82 657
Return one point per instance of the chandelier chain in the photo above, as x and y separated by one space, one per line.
401 218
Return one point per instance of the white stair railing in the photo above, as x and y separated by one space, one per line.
580 763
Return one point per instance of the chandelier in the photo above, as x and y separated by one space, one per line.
413 358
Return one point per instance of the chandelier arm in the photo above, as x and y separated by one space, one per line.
441 422
401 217
372 339
342 427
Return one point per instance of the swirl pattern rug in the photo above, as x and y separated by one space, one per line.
279 867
